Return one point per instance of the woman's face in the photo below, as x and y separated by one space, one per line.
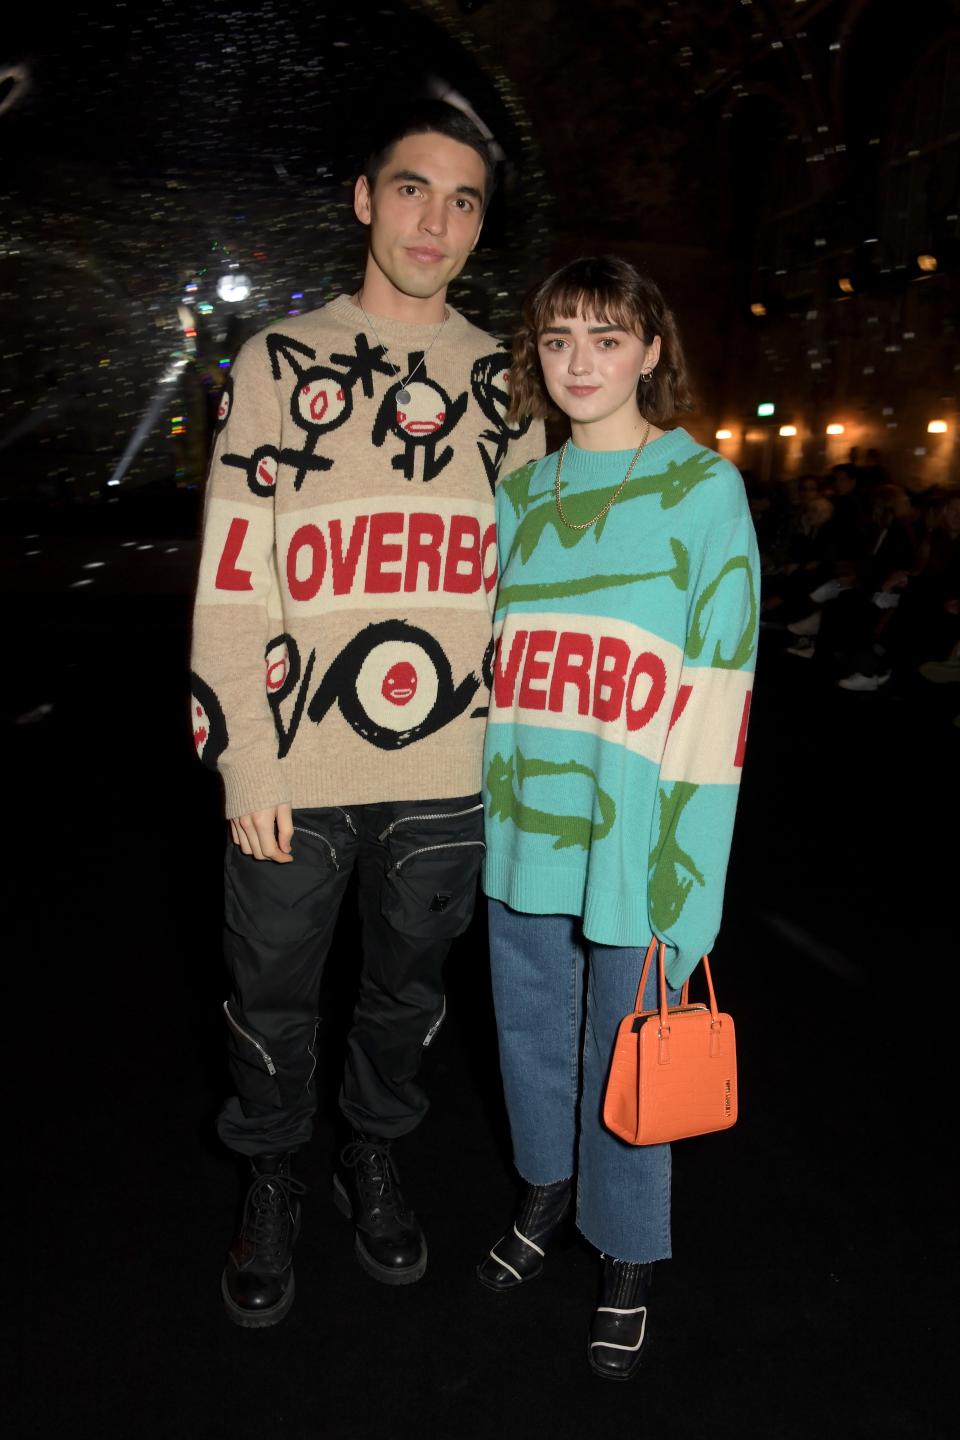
591 368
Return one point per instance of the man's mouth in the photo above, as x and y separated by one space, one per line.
425 254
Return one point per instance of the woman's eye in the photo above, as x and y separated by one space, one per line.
608 343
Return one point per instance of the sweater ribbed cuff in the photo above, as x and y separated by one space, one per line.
254 785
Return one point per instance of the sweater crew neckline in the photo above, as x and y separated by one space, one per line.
398 331
596 464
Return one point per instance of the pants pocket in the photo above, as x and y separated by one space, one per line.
251 1064
431 884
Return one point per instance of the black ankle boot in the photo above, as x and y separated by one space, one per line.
518 1255
618 1331
389 1242
257 1283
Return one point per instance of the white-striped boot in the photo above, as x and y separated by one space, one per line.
618 1331
518 1256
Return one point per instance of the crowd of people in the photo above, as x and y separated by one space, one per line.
862 578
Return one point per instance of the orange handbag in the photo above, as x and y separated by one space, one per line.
674 1071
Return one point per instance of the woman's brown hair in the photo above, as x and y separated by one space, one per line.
618 294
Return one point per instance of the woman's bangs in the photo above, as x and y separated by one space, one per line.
566 301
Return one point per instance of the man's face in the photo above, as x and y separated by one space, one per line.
424 212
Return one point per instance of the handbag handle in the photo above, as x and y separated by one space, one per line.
661 949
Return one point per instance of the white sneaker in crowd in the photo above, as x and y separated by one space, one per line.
856 681
809 625
804 647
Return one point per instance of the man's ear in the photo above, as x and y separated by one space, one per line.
361 200
476 238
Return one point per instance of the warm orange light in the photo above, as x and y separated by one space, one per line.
846 285
937 427
927 262
757 308
834 429
788 430
724 435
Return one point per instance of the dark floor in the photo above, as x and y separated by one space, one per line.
812 1293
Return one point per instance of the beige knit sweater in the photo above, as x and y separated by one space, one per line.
341 643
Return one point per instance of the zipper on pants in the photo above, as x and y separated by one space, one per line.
427 849
245 1034
302 829
431 815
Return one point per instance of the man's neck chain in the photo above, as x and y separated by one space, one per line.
403 394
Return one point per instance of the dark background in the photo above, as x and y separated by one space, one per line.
750 155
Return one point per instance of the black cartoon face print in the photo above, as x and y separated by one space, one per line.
490 384
282 678
426 416
225 405
392 683
210 737
321 400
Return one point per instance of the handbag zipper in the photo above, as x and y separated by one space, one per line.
271 1068
435 815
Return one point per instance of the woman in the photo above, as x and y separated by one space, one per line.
625 637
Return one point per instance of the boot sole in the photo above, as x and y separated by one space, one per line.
256 1319
386 1274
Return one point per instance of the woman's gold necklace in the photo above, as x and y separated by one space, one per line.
572 524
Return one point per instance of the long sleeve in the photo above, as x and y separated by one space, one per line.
700 769
237 607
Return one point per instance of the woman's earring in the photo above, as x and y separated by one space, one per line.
646 376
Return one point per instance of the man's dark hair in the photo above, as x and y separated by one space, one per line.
426 117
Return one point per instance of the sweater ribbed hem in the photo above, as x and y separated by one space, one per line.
311 785
608 918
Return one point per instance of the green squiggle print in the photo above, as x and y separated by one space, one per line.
668 891
744 646
679 573
569 830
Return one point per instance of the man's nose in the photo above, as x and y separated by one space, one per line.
434 217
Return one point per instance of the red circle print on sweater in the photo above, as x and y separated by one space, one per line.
400 683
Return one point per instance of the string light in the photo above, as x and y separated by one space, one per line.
937 427
835 429
788 431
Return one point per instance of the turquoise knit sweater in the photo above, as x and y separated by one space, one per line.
622 679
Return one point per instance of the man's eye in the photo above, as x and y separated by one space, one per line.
409 190
462 204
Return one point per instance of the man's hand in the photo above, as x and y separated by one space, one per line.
266 834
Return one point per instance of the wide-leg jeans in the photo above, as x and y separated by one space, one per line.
417 865
559 999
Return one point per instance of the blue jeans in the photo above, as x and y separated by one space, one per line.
555 1059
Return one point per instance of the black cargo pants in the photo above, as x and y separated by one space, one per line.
417 866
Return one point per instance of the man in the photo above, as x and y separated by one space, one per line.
342 659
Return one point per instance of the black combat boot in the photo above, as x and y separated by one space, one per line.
518 1255
618 1331
389 1242
257 1283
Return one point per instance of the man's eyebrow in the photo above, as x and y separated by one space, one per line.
411 175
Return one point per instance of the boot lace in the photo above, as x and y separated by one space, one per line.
377 1184
267 1218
